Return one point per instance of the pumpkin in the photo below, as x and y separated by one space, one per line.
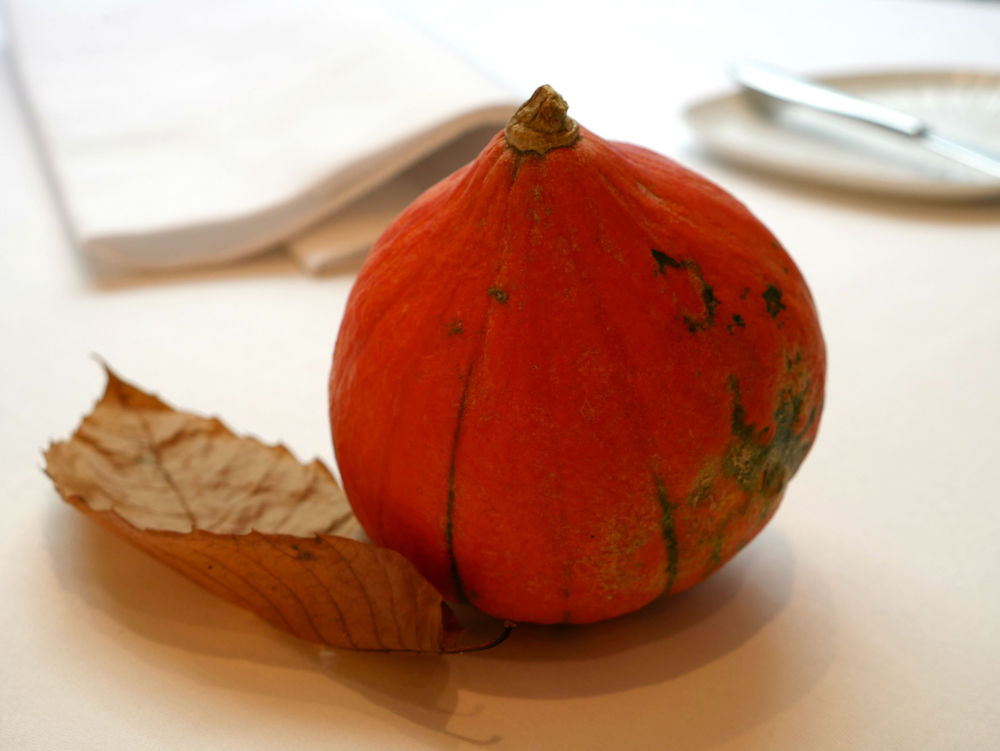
572 376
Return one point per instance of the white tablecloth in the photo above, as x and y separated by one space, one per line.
865 616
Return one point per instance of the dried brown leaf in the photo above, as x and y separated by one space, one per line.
246 521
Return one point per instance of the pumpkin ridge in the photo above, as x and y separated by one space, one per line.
646 411
707 228
641 161
449 528
501 296
616 339
465 184
403 279
478 173
669 532
634 211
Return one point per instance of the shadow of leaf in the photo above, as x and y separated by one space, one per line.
163 607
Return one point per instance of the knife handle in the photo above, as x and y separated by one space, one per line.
788 88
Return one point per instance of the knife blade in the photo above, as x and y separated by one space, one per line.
786 87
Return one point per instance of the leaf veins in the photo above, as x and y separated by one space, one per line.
248 522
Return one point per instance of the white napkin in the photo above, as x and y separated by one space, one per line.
185 132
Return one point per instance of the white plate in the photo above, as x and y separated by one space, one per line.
812 146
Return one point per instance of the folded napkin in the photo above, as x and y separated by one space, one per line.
188 132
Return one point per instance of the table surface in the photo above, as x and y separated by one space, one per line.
865 616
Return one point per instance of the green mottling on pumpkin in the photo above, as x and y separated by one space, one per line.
499 294
715 559
705 290
701 491
668 531
663 261
762 463
772 301
711 303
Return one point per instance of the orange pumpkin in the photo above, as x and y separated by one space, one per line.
572 376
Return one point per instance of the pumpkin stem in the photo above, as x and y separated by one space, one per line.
541 123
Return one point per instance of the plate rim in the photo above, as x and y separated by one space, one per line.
853 81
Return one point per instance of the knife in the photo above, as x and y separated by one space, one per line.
789 88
